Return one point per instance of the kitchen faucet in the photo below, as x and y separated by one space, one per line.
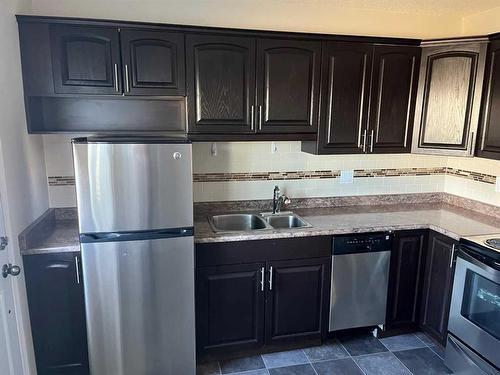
279 200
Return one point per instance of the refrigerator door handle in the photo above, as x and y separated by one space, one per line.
138 235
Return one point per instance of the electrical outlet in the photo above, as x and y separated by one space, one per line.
497 185
274 148
346 177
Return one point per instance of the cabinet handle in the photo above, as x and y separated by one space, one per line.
452 255
271 278
127 84
260 117
364 141
472 143
371 141
77 271
117 87
252 117
262 279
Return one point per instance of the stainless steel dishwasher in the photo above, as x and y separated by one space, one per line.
360 275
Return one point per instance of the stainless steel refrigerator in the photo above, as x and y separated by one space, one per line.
135 211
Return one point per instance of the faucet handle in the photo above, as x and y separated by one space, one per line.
286 200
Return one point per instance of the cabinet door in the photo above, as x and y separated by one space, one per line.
288 75
153 62
489 146
438 280
395 78
220 84
345 96
57 313
448 99
229 308
297 299
86 60
405 280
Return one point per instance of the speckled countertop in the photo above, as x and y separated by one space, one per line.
62 238
450 220
453 221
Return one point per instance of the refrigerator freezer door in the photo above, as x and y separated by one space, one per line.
139 299
133 186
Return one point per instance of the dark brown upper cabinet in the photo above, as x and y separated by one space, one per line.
346 72
449 98
367 99
288 75
153 62
395 78
489 141
85 60
221 84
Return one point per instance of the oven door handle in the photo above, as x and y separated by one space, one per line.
469 258
467 357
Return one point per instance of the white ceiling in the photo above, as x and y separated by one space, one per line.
462 7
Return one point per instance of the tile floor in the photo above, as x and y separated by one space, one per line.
347 354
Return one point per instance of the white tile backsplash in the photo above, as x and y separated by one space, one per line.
258 157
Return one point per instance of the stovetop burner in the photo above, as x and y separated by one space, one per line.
493 242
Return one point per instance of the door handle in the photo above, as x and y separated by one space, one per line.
117 87
127 83
262 279
452 255
9 269
77 267
252 117
271 278
371 141
364 141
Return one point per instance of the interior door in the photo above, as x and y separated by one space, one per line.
345 97
288 73
153 62
86 60
10 350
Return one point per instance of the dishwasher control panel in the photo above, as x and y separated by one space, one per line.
362 243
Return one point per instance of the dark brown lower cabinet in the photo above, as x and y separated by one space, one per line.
405 280
57 313
230 307
297 299
257 296
437 287
246 306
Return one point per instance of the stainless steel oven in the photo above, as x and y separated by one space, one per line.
473 345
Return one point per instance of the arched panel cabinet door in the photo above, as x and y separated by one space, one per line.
220 84
449 98
288 73
86 60
153 62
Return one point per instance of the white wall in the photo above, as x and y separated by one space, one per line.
23 186
310 16
487 22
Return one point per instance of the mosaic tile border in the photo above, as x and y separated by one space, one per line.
61 180
322 174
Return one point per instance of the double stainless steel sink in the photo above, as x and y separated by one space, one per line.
252 222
